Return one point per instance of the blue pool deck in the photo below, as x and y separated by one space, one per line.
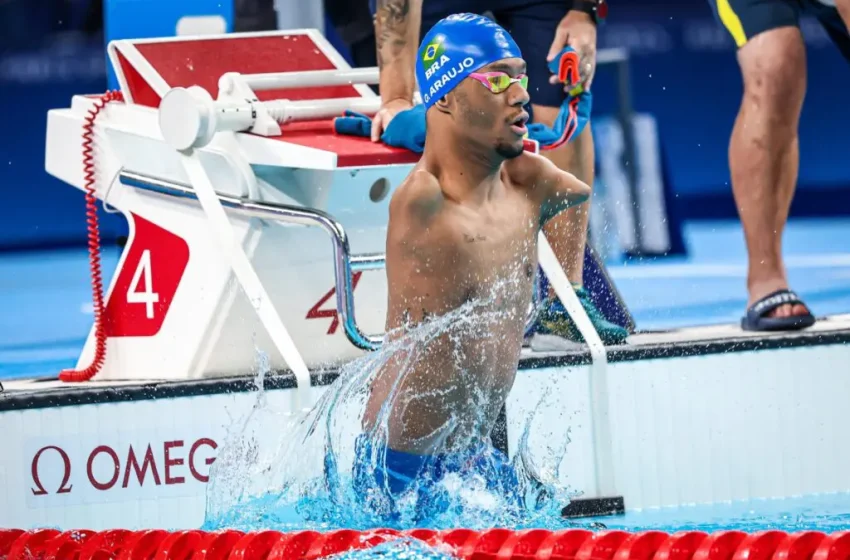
47 312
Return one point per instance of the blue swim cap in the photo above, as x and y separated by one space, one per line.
455 47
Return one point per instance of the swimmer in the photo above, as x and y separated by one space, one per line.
541 30
462 227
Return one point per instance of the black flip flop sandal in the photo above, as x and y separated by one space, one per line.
755 319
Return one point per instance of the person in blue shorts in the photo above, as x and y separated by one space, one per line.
462 234
383 477
541 28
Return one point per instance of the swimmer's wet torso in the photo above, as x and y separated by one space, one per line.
463 228
441 254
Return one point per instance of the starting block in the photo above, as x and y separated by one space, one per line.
173 310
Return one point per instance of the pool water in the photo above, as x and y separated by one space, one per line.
287 486
291 473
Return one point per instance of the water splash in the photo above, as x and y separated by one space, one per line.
293 473
398 549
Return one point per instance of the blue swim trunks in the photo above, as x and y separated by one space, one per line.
383 477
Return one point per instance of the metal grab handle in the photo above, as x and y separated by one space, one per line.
309 78
344 262
293 215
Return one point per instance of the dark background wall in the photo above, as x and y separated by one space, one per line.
683 72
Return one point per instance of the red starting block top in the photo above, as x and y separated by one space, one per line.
351 151
148 68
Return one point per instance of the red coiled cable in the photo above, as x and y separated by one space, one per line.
89 186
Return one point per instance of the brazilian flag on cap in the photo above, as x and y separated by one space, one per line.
433 50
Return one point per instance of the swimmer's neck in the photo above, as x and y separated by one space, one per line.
465 173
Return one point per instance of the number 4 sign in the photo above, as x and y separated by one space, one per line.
146 295
147 281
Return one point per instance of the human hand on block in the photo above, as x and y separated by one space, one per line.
405 130
386 114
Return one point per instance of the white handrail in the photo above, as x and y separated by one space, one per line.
598 383
291 80
286 111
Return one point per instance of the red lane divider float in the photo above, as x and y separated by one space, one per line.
465 544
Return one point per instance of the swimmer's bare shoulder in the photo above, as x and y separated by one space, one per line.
552 188
421 255
419 197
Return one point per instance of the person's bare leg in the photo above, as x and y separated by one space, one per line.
567 232
764 154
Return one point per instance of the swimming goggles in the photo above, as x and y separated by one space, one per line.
497 82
